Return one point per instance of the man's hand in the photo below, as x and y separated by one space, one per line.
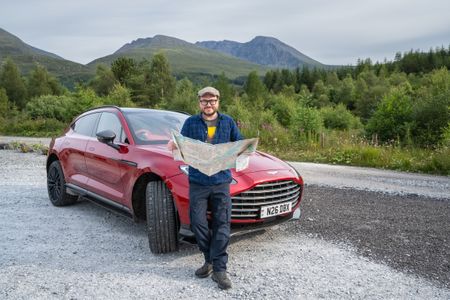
171 145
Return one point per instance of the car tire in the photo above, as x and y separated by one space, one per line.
161 218
56 186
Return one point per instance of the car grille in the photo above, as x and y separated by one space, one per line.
247 205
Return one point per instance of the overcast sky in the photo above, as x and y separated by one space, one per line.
332 32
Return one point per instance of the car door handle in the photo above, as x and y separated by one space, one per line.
91 148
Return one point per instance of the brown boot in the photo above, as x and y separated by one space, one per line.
204 270
222 280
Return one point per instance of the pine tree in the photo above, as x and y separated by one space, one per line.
40 82
160 83
346 93
297 77
307 79
185 99
13 83
4 103
104 80
320 94
226 91
123 68
287 77
269 80
255 90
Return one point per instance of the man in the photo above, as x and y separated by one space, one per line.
210 126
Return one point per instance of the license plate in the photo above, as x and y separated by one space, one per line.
276 209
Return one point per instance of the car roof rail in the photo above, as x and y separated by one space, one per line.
182 112
104 106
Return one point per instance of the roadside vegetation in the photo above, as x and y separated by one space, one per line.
393 115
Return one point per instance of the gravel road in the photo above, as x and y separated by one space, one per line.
348 244
369 179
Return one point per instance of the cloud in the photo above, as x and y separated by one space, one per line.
333 32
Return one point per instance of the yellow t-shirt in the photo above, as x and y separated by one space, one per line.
211 129
211 132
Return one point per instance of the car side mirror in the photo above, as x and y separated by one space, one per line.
107 137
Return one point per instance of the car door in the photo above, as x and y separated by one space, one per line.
104 162
73 151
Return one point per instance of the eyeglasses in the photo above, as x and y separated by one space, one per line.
211 102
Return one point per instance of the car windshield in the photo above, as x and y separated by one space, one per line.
151 127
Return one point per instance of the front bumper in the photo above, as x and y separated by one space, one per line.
237 229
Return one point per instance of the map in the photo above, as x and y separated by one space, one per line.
211 159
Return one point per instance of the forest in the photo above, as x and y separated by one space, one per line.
394 114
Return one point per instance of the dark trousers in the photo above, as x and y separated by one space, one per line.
212 242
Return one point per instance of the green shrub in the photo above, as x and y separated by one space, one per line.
50 106
441 161
120 96
184 99
65 108
306 119
370 155
339 118
284 109
244 118
270 131
393 117
4 103
445 141
24 126
437 163
84 99
431 112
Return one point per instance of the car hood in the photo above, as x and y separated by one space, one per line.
259 161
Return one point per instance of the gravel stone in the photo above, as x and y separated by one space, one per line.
83 251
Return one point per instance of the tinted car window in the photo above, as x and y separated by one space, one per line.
109 121
154 127
85 125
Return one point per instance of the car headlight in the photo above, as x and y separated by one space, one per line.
185 170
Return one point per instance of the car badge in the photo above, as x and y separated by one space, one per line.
272 172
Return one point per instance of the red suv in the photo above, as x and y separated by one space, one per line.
117 157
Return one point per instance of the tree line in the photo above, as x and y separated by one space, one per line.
406 101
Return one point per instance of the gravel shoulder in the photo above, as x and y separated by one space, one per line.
27 140
83 251
407 232
370 179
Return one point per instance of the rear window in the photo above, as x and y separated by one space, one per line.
154 127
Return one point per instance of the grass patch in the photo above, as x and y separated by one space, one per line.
333 147
27 148
352 150
22 126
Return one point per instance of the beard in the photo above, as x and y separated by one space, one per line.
209 114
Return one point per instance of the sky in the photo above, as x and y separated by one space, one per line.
331 32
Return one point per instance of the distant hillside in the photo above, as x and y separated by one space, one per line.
25 56
197 61
267 51
184 57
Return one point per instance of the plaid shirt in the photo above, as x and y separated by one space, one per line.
226 131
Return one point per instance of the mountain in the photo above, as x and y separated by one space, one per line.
25 56
184 57
267 51
199 60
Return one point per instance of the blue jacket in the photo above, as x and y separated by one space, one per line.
226 131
